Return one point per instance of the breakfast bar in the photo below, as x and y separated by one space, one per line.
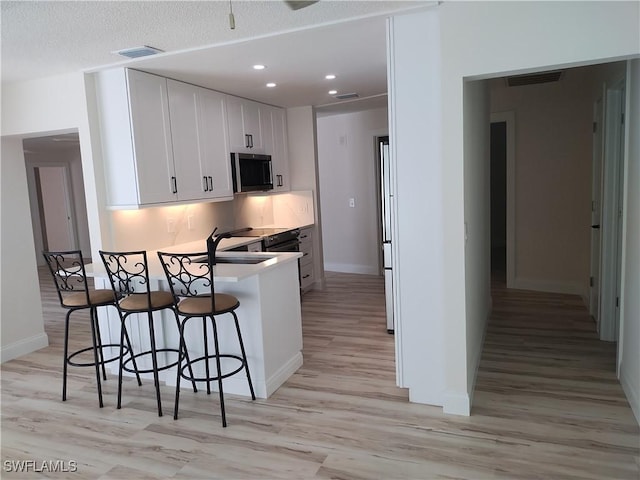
267 286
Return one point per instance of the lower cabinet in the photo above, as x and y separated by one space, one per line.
307 277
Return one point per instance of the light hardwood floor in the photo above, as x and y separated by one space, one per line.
547 406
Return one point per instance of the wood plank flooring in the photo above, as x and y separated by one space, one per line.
547 406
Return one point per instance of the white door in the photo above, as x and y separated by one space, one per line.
56 215
596 212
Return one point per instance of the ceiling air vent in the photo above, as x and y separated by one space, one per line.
534 78
345 96
137 52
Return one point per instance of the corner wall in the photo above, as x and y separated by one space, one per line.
629 351
21 321
503 38
30 109
477 209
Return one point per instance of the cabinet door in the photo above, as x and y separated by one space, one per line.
243 117
191 178
280 151
151 137
252 125
214 144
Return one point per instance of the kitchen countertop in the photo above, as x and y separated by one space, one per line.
224 272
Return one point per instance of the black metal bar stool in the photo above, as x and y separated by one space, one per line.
129 276
69 276
191 281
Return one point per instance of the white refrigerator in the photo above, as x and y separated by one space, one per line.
386 196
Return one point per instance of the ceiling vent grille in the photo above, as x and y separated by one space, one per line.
534 78
137 52
345 96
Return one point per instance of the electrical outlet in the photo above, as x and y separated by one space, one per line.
190 222
171 225
352 202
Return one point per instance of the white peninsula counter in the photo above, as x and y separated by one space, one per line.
269 316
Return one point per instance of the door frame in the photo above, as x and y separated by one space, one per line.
509 118
612 215
597 162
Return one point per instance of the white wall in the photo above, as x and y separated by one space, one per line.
418 234
477 210
629 351
347 163
21 321
34 108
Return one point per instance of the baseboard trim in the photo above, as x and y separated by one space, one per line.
276 380
633 396
457 404
23 347
571 288
351 268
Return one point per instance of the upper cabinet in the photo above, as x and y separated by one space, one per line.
199 136
136 138
279 149
246 122
280 155
165 141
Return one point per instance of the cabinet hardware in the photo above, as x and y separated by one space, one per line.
250 140
210 183
306 276
174 183
206 185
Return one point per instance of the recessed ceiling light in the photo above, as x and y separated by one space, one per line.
332 92
259 67
271 84
330 76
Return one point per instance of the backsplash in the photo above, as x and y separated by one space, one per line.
154 228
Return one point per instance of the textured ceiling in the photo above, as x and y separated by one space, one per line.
299 47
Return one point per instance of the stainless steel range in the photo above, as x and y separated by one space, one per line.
274 239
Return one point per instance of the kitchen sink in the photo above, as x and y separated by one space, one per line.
247 260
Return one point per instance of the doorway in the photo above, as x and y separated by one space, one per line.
498 179
56 193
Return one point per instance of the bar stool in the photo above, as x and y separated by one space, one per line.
190 276
69 276
129 276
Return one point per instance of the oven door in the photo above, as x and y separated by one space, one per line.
289 246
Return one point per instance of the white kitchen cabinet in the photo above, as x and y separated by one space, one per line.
279 149
245 125
307 276
136 138
200 148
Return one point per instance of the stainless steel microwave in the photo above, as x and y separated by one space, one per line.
251 172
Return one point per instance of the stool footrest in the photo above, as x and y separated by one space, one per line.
149 352
186 376
90 349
